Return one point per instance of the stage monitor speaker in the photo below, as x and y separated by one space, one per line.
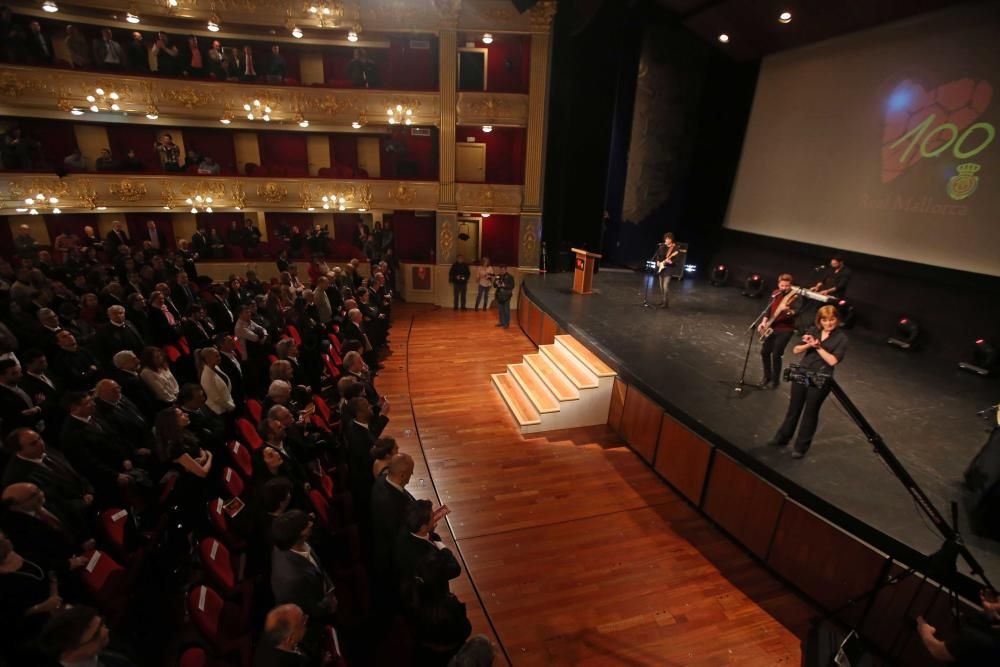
982 479
524 5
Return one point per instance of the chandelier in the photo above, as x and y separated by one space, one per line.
355 197
40 203
200 203
361 121
258 110
400 115
39 196
103 100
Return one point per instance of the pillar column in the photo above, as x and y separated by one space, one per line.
529 240
538 87
446 233
448 83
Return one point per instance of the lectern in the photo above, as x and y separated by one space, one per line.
583 279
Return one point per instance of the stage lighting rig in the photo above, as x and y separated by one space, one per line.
754 286
907 332
720 275
985 359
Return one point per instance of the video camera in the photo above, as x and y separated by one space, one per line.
795 373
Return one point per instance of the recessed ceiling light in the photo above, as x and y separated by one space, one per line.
131 18
50 6
352 36
724 38
487 38
297 32
785 17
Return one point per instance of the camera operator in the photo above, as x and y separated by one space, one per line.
504 284
978 641
824 346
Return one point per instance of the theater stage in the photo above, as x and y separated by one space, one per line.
687 358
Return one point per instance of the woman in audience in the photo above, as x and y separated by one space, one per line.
179 452
217 385
162 324
157 376
484 278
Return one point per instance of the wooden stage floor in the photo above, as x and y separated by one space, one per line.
574 552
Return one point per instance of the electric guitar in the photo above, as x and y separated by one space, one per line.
784 306
662 265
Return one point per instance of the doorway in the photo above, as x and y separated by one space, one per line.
470 163
467 243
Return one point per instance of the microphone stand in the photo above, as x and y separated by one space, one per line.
647 278
738 387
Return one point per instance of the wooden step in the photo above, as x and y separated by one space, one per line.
588 358
540 397
515 398
553 378
570 366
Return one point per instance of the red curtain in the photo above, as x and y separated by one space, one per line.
57 138
214 143
71 223
138 138
415 241
283 149
504 152
406 156
136 223
344 150
409 68
335 59
500 239
508 64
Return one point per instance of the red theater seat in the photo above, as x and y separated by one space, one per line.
224 625
240 456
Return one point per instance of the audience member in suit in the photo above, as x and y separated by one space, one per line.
273 434
40 386
126 374
135 311
230 365
282 644
197 329
92 449
220 312
39 45
119 334
305 447
117 414
297 575
17 409
359 440
388 509
79 636
417 542
269 501
79 366
68 493
115 239
183 294
40 533
162 324
207 426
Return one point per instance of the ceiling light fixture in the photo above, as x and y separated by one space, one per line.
213 23
131 18
200 202
400 115
352 36
227 117
257 109
152 113
76 111
487 128
297 32
484 214
785 17
487 38
50 6
724 38
104 101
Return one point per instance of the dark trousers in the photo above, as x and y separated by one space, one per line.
503 309
771 353
805 403
484 295
458 288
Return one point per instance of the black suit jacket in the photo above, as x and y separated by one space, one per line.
35 50
359 442
112 241
160 329
95 452
411 552
40 542
78 370
237 388
388 507
184 297
223 319
51 410
136 391
124 419
63 485
294 580
11 407
112 339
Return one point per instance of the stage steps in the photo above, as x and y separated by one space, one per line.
563 385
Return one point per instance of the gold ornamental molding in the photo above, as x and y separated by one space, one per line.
128 190
473 197
374 15
272 193
508 109
42 91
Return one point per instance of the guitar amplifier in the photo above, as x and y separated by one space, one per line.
677 269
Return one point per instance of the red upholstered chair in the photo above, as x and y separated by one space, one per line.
193 657
225 571
332 655
279 170
114 525
335 342
255 410
220 521
271 358
323 510
323 409
337 359
173 354
183 345
249 434
232 483
106 581
240 456
292 331
331 367
223 624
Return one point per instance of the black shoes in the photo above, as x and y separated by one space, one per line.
764 384
774 442
796 454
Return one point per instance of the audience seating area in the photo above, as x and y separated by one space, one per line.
200 467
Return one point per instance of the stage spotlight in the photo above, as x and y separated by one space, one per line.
754 286
724 38
845 311
985 359
907 332
720 275
690 268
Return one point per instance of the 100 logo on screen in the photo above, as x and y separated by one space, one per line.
926 124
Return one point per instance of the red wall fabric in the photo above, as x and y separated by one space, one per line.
505 152
408 157
137 137
218 145
57 138
500 240
72 223
336 58
412 69
284 149
344 150
508 64
415 241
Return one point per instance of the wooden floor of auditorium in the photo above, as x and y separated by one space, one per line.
574 552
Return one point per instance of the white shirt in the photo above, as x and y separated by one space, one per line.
163 384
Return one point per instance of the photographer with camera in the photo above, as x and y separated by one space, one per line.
824 346
504 284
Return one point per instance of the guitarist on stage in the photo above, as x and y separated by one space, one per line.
664 258
776 330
